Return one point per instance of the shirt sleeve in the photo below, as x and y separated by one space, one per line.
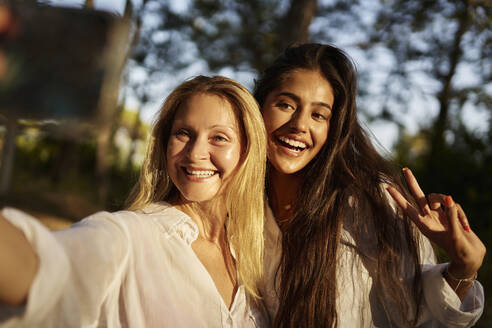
441 306
78 270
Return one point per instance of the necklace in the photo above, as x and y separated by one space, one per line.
284 216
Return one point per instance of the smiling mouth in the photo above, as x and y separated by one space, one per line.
199 174
291 144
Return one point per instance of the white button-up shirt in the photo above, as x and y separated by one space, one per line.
358 307
123 269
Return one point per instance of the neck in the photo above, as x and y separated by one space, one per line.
209 216
282 194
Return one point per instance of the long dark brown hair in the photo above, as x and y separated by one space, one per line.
343 186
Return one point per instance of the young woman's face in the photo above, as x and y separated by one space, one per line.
297 119
204 147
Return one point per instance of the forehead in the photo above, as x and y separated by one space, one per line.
207 109
307 85
304 78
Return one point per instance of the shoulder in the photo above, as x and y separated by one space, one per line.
125 219
160 218
124 228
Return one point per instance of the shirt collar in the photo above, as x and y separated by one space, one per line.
172 221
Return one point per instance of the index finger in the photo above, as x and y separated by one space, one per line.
416 190
407 208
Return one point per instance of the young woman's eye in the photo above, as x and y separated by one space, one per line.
320 117
284 105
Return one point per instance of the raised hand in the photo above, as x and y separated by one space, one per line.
444 222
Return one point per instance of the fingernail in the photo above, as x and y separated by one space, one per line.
467 228
405 169
448 200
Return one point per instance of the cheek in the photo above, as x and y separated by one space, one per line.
321 134
273 120
227 159
174 147
169 150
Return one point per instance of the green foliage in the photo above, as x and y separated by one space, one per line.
131 121
46 163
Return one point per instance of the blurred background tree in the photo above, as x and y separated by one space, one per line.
424 69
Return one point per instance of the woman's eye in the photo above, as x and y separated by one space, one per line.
319 117
219 138
181 134
284 105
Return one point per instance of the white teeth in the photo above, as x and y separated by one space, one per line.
200 173
293 143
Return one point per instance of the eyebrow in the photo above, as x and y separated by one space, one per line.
297 99
215 126
230 127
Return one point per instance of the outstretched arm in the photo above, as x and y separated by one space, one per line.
18 264
444 222
77 271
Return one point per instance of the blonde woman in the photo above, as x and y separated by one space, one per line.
187 252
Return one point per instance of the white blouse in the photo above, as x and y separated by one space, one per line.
356 307
123 269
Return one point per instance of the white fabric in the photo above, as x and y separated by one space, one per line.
123 269
356 307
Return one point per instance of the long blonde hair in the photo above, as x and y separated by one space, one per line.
244 194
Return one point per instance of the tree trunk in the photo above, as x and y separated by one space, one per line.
296 22
446 93
8 156
115 62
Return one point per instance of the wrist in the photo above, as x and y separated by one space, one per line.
461 272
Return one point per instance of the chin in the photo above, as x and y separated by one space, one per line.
291 172
198 196
285 168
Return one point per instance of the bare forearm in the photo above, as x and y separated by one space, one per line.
18 264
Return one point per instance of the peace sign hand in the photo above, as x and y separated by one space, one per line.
444 222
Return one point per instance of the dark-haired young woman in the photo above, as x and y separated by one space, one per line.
346 244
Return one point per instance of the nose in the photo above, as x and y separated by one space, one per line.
299 120
198 149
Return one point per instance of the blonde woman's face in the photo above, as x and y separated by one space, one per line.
297 119
204 148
